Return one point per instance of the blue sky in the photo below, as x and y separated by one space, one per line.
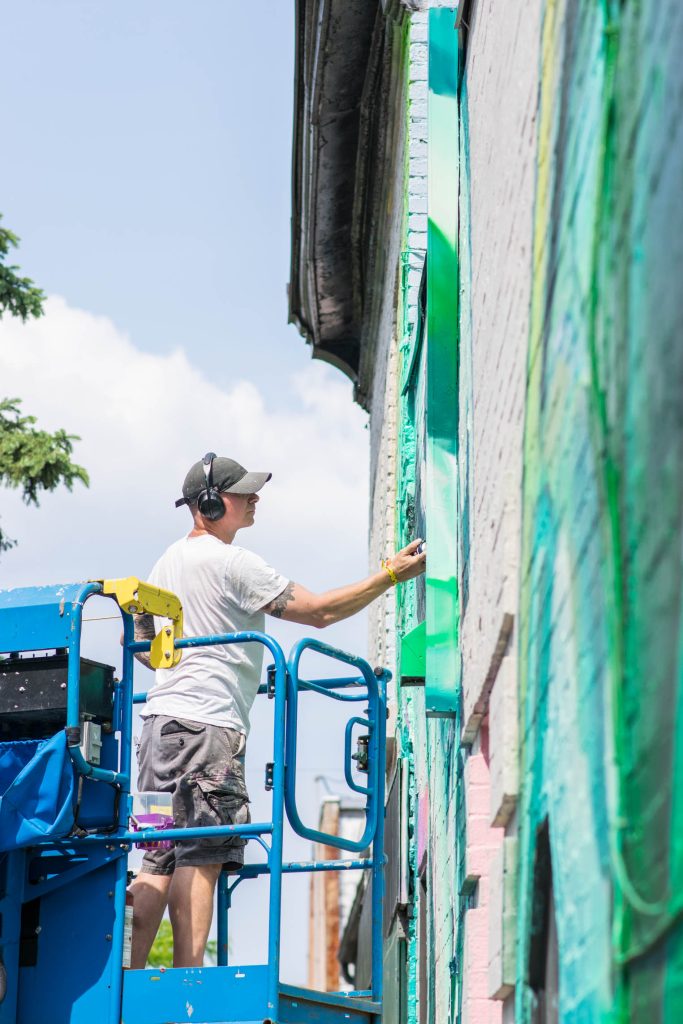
147 171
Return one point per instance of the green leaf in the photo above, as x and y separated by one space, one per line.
161 953
31 460
18 295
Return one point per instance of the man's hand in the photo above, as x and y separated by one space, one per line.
405 564
296 604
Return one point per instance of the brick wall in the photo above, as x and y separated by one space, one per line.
570 524
602 518
497 180
382 333
381 614
498 155
483 843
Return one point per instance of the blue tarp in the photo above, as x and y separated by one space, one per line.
36 791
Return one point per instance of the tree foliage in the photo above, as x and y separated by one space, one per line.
161 953
32 460
18 295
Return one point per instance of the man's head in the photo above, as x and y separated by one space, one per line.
222 492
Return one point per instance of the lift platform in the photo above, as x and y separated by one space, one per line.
65 832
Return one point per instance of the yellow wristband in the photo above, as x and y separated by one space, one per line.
387 568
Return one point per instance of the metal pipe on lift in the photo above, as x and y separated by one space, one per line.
373 696
307 685
152 835
376 696
300 867
116 961
278 813
276 827
126 723
377 874
222 909
73 729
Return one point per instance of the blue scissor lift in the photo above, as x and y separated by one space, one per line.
65 834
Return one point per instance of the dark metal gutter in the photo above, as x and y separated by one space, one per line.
333 49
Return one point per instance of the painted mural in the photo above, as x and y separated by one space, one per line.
600 644
597 922
534 220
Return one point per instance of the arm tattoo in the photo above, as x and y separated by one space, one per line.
144 630
144 627
278 606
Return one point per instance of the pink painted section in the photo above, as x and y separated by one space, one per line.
483 842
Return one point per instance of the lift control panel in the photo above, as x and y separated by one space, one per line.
33 694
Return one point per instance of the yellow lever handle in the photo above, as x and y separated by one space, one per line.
137 597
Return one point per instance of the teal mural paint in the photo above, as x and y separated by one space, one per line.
599 448
599 624
442 366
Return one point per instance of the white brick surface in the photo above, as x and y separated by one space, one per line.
502 919
504 763
383 400
501 95
381 615
502 86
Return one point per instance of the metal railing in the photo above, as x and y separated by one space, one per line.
285 686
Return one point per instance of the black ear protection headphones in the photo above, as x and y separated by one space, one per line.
209 501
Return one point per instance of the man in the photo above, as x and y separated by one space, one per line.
197 715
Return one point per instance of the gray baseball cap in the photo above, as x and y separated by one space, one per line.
226 476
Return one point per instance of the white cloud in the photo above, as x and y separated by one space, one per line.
143 419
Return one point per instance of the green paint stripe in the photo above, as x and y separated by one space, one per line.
442 367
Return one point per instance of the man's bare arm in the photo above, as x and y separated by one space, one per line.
278 607
144 630
297 604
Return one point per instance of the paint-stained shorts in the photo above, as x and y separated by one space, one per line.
202 766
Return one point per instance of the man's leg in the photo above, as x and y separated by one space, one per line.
190 907
150 896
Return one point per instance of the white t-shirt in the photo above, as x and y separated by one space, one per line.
223 589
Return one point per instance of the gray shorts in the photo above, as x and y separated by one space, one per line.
203 767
